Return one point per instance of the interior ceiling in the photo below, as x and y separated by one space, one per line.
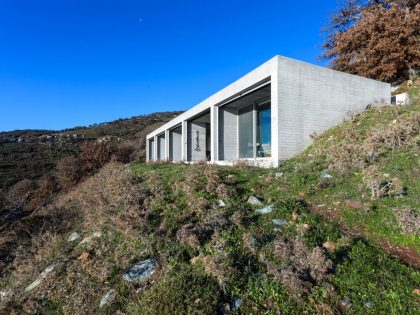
203 119
251 98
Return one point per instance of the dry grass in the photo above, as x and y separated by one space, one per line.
408 219
351 149
301 267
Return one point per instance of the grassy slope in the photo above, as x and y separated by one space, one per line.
210 256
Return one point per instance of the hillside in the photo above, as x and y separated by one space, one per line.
334 230
32 153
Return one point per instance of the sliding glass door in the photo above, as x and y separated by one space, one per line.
255 119
264 129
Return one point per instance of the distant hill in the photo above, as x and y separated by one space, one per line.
32 153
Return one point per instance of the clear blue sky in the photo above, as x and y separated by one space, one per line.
76 62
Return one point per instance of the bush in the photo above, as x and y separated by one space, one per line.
47 187
69 171
20 192
124 153
96 154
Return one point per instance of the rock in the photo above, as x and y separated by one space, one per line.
279 174
84 256
236 303
74 236
4 294
265 210
356 205
254 201
141 271
344 305
325 175
41 277
90 238
368 304
279 222
108 298
294 216
221 203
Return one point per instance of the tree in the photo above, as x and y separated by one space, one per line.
379 39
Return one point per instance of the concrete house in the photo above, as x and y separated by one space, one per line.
266 116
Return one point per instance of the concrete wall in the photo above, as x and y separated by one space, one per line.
161 148
228 134
175 144
313 99
194 153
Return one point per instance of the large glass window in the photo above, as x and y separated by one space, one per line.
151 147
246 134
264 129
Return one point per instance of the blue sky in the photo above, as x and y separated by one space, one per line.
68 63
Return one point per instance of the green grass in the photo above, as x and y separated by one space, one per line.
210 257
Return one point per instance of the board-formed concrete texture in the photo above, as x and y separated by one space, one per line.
305 100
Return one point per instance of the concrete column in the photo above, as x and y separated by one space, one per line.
254 131
184 140
166 156
275 107
214 125
155 148
147 150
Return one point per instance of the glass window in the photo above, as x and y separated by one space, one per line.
151 142
264 129
246 135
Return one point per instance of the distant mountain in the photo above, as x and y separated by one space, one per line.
32 153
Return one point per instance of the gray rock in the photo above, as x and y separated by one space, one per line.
90 238
368 304
265 210
221 203
41 277
74 236
279 174
236 303
325 175
141 271
344 304
279 222
108 298
254 201
4 294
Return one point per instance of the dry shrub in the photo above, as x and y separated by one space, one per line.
124 153
281 249
243 164
193 234
48 185
405 132
302 266
69 171
352 150
95 155
408 220
381 186
21 192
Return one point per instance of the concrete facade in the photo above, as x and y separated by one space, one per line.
305 99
